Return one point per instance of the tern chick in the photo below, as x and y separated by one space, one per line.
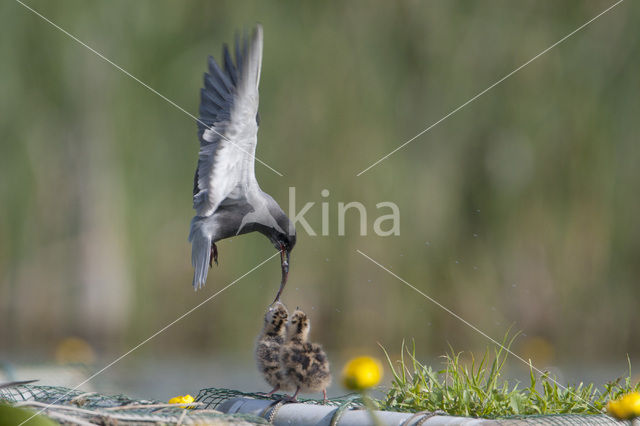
269 344
304 364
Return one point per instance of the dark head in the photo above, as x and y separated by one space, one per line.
299 326
284 242
275 319
282 233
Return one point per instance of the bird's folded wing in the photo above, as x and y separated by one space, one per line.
228 125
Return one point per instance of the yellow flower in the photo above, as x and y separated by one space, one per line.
626 407
361 373
182 400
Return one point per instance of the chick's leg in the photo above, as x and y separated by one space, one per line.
274 390
294 397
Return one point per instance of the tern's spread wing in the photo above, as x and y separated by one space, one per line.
228 125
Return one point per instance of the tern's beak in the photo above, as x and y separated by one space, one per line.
285 263
284 259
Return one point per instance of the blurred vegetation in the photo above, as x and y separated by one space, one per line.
520 209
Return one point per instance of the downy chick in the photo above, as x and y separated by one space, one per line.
304 364
269 345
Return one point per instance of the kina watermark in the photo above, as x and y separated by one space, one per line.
386 217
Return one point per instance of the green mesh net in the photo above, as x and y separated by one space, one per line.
65 405
562 419
213 397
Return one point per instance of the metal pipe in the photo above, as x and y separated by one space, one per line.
292 414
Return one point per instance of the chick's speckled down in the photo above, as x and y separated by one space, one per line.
269 345
304 364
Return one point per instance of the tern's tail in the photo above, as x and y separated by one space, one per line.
200 253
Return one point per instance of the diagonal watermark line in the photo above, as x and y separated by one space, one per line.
145 85
163 329
490 87
449 311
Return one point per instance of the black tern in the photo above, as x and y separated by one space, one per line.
226 196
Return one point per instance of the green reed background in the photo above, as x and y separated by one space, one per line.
521 209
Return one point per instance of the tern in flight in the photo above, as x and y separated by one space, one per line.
226 196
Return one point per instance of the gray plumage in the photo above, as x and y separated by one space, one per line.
269 344
226 195
304 364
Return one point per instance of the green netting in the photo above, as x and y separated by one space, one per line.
61 403
90 405
61 395
213 397
563 419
